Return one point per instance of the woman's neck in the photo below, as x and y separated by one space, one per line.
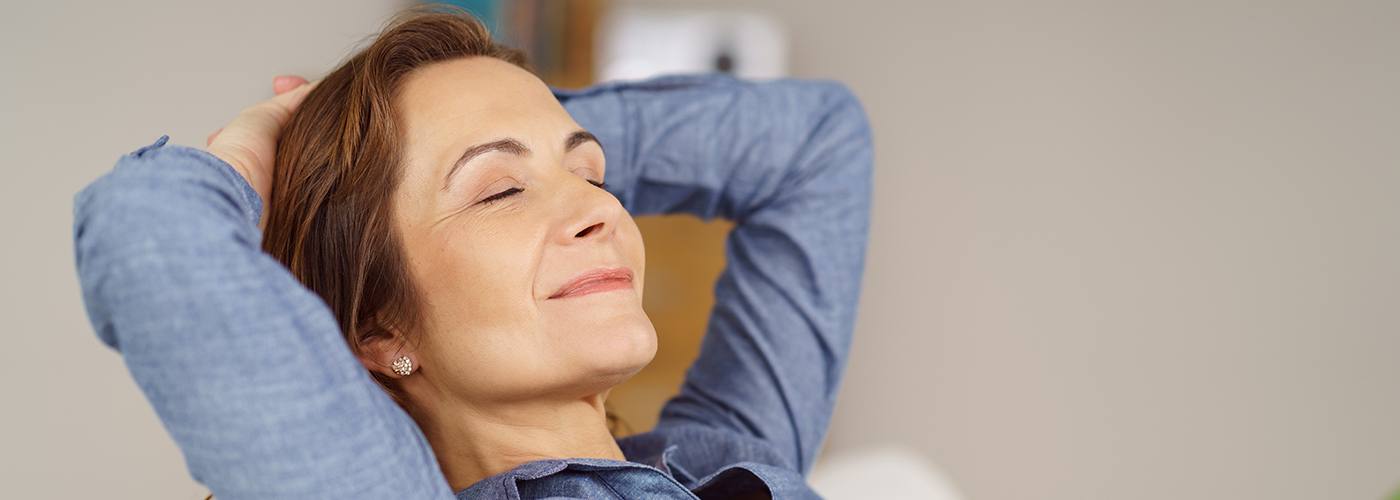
474 443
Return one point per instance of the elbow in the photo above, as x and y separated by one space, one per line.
87 248
103 214
848 124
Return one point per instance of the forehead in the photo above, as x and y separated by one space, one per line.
468 100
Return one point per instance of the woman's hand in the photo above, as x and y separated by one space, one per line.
249 142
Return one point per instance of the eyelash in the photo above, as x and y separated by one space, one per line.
515 190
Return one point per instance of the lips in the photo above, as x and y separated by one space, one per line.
597 280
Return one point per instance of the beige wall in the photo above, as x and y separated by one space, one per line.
1119 251
84 83
1140 251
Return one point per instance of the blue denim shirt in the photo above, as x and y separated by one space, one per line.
249 373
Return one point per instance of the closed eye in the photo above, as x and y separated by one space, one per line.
515 190
509 192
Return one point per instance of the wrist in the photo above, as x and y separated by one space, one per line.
238 159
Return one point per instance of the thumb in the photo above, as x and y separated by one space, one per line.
290 99
283 83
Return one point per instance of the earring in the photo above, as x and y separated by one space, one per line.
403 366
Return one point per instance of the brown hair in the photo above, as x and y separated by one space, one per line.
337 167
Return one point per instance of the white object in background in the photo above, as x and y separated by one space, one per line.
888 473
635 43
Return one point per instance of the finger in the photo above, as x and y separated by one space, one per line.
283 83
290 99
210 139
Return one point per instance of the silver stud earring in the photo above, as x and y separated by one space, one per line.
403 366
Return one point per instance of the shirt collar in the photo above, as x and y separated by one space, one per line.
503 485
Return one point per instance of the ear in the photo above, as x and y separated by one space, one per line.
379 350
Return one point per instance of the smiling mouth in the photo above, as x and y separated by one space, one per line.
599 280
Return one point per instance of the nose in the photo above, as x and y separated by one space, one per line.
592 213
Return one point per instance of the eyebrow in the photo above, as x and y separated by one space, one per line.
515 147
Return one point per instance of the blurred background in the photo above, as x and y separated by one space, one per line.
1119 249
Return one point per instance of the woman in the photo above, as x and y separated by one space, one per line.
438 218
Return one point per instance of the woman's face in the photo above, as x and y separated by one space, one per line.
490 242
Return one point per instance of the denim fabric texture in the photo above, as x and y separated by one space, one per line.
248 372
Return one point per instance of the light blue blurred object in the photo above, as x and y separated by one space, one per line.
488 11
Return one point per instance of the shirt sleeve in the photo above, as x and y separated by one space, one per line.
245 367
790 162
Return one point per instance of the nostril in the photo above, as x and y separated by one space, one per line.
588 230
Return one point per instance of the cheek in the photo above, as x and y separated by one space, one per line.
482 279
479 292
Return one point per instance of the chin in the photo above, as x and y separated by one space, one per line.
620 350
